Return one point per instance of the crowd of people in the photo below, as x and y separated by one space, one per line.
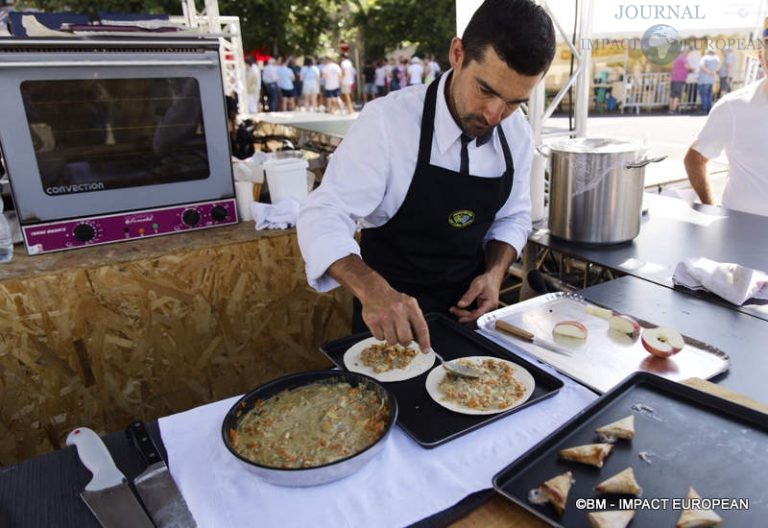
695 76
324 85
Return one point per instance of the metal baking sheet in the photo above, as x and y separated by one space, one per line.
605 358
691 439
428 423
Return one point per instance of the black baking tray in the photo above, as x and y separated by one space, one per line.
716 446
421 418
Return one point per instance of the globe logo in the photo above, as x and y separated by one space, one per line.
660 44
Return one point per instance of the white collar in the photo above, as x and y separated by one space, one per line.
446 131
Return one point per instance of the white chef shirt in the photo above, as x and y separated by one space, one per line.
369 175
738 123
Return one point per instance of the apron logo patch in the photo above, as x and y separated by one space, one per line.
463 218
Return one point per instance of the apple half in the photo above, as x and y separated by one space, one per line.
597 311
570 329
625 325
662 342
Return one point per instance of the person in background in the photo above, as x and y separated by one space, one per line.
738 124
253 85
691 82
707 74
726 71
415 72
380 78
347 82
677 81
444 202
285 82
395 75
298 89
241 140
270 78
331 75
369 76
310 83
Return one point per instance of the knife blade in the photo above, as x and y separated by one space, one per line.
107 494
156 487
525 335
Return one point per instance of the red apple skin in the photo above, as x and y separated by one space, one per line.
655 351
576 324
635 325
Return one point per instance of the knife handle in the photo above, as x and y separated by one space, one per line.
515 331
95 456
139 437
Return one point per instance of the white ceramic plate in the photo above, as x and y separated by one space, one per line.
438 373
420 364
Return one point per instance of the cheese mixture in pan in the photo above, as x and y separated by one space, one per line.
496 388
310 426
384 357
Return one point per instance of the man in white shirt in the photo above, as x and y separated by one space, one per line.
415 72
438 178
347 81
737 123
331 75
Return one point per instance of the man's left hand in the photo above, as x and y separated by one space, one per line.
484 291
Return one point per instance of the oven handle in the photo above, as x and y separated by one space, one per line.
69 64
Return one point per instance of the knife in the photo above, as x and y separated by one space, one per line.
107 494
155 485
525 335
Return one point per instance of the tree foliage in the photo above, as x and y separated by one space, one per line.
308 26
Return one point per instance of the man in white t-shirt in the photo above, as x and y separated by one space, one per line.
331 75
347 80
415 72
738 123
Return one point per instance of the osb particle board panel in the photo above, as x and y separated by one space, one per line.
100 345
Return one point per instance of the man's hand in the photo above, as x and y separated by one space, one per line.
484 290
396 318
389 314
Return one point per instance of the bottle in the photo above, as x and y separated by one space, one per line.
6 241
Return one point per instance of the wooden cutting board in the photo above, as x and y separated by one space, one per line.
501 513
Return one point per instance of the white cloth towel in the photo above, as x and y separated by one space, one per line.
404 484
734 283
276 216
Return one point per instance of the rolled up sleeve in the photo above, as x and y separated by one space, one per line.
513 221
353 186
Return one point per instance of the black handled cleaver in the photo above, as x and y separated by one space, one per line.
107 494
155 485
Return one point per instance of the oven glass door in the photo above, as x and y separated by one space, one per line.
91 135
85 134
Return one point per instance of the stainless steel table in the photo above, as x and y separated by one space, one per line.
672 231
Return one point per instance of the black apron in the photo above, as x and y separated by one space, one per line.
432 248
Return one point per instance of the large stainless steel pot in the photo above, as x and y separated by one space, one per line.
596 190
319 474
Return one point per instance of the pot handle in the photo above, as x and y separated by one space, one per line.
544 150
643 162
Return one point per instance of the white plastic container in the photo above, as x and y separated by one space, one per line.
286 178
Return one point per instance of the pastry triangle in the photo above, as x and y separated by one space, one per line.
697 518
592 454
624 428
622 482
554 491
610 519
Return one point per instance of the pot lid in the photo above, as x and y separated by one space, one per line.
596 146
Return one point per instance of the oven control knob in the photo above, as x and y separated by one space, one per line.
219 213
190 217
84 232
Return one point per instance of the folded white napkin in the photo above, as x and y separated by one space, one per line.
734 283
404 484
276 216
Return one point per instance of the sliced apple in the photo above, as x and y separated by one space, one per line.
597 311
570 329
625 325
662 342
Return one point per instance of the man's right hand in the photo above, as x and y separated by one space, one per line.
395 317
389 314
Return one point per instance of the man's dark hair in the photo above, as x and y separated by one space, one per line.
520 32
